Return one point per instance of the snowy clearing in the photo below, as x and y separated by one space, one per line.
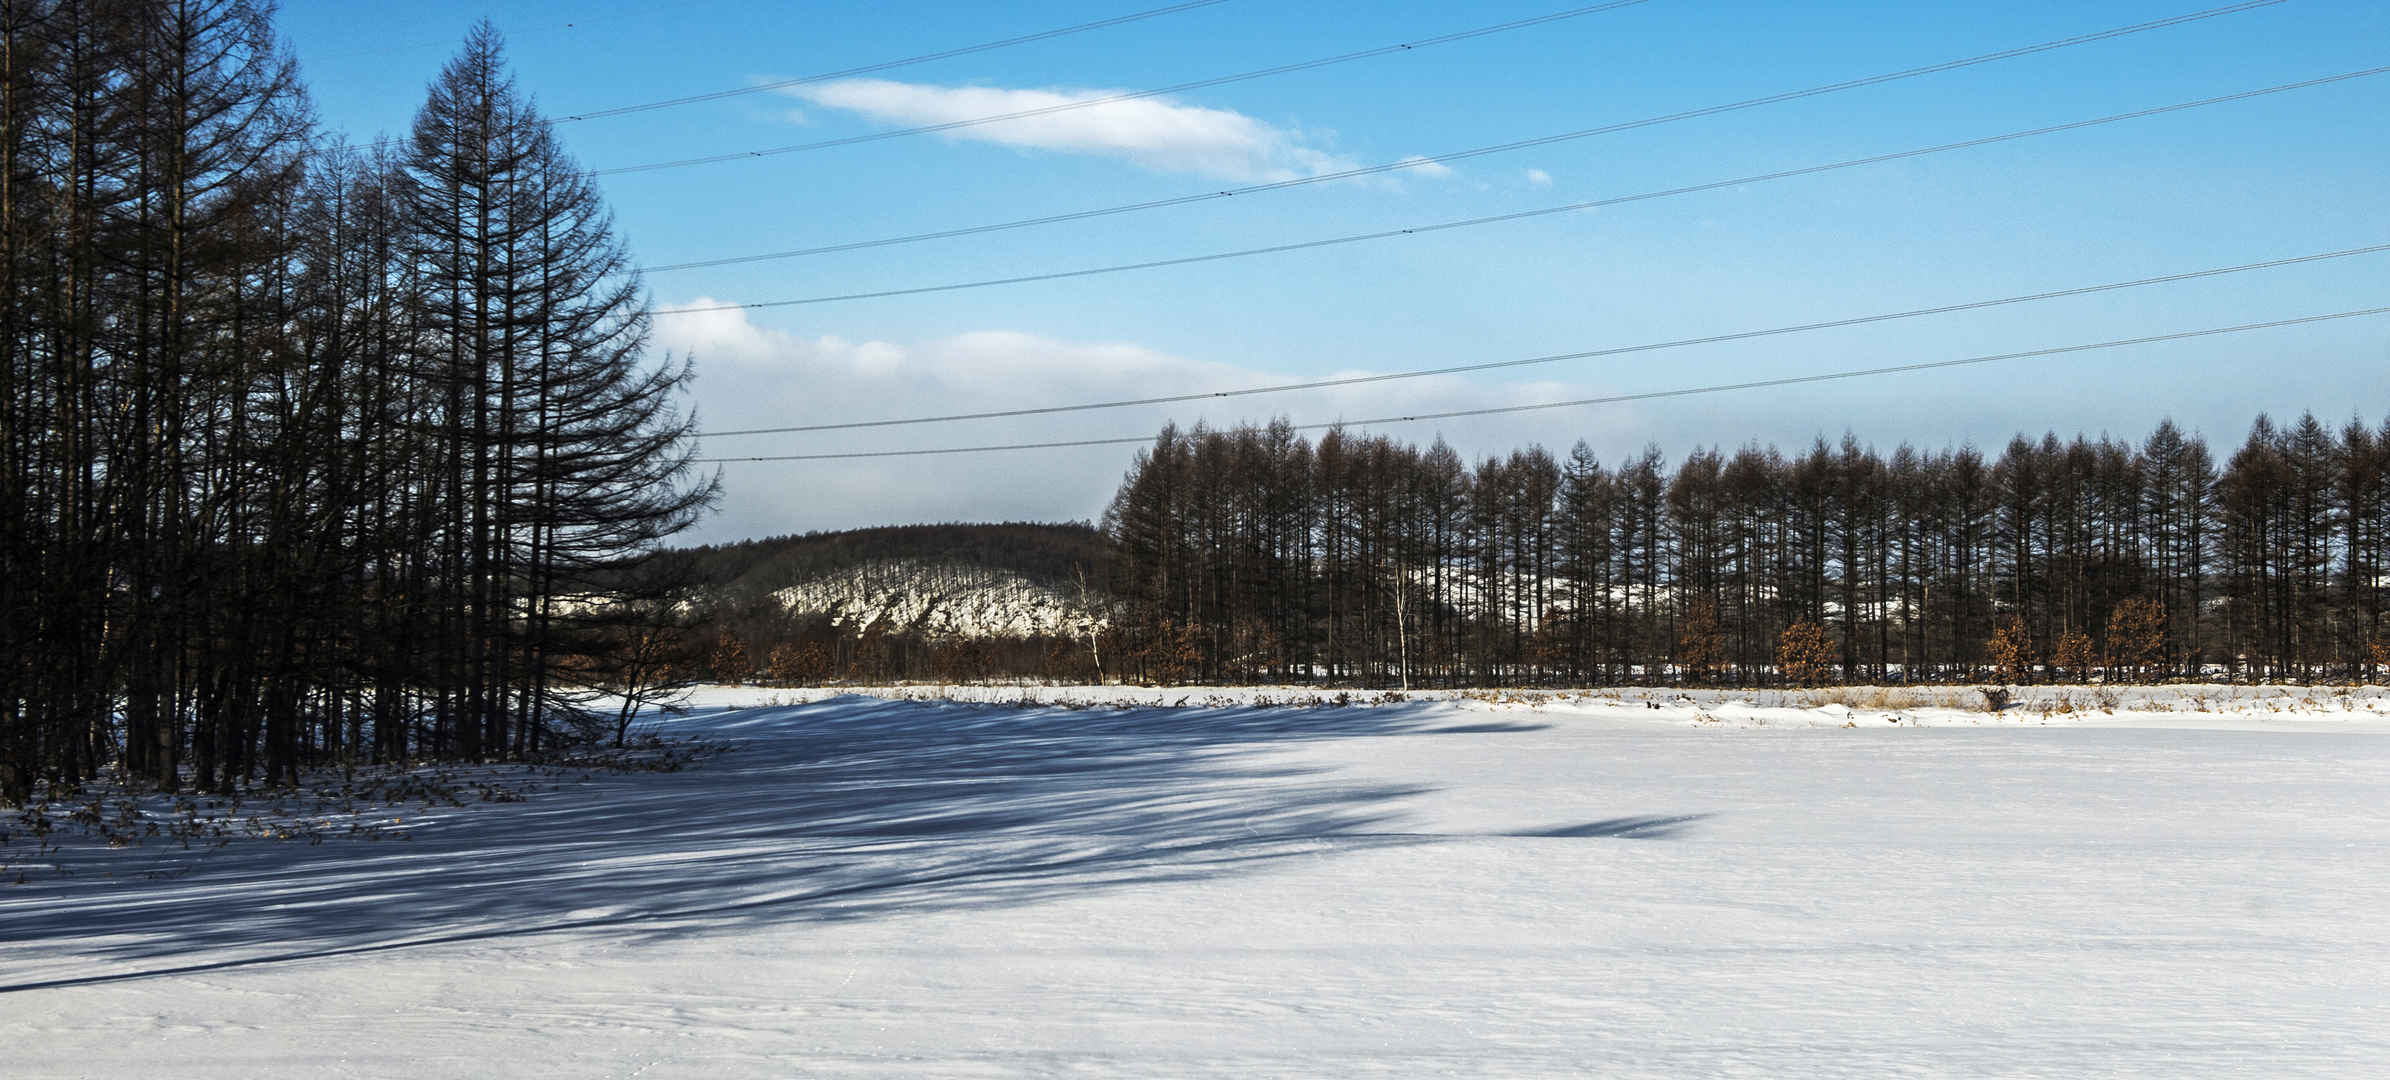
1533 885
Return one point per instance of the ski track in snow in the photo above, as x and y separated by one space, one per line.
1553 886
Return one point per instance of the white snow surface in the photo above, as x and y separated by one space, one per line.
941 601
1503 885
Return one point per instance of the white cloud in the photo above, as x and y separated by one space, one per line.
1150 132
1539 178
1418 165
753 377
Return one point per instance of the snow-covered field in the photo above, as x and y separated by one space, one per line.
2183 882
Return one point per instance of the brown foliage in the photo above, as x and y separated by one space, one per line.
1700 643
1806 653
729 659
1170 653
2072 654
796 664
1179 653
2137 635
1254 647
2011 650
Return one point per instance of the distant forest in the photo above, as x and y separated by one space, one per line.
1254 554
312 453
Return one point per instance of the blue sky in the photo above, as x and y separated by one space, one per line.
2285 175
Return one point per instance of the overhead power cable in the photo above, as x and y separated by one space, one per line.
1610 399
867 69
1521 215
1620 350
887 65
1462 155
1134 95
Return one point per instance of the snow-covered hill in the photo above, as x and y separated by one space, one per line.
943 601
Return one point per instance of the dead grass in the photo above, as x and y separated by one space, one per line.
1887 698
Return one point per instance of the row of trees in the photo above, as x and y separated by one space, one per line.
310 452
1254 554
811 651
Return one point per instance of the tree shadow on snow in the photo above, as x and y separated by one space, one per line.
847 809
1649 827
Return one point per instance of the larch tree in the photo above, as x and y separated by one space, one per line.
562 449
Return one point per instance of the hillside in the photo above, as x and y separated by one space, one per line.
942 601
935 582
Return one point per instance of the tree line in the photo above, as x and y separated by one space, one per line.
1255 554
312 453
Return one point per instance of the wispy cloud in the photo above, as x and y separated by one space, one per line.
1539 178
1154 133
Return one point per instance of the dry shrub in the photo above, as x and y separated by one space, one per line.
2072 654
798 665
2011 650
729 659
1806 653
1700 644
2137 635
1888 698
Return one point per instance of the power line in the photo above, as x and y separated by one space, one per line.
946 54
1497 148
1622 350
1521 215
866 69
538 30
1612 399
1135 95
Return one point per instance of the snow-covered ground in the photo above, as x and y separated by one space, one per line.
1522 885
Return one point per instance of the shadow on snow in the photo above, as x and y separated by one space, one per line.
846 809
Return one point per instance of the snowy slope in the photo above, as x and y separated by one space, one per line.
941 601
1486 888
